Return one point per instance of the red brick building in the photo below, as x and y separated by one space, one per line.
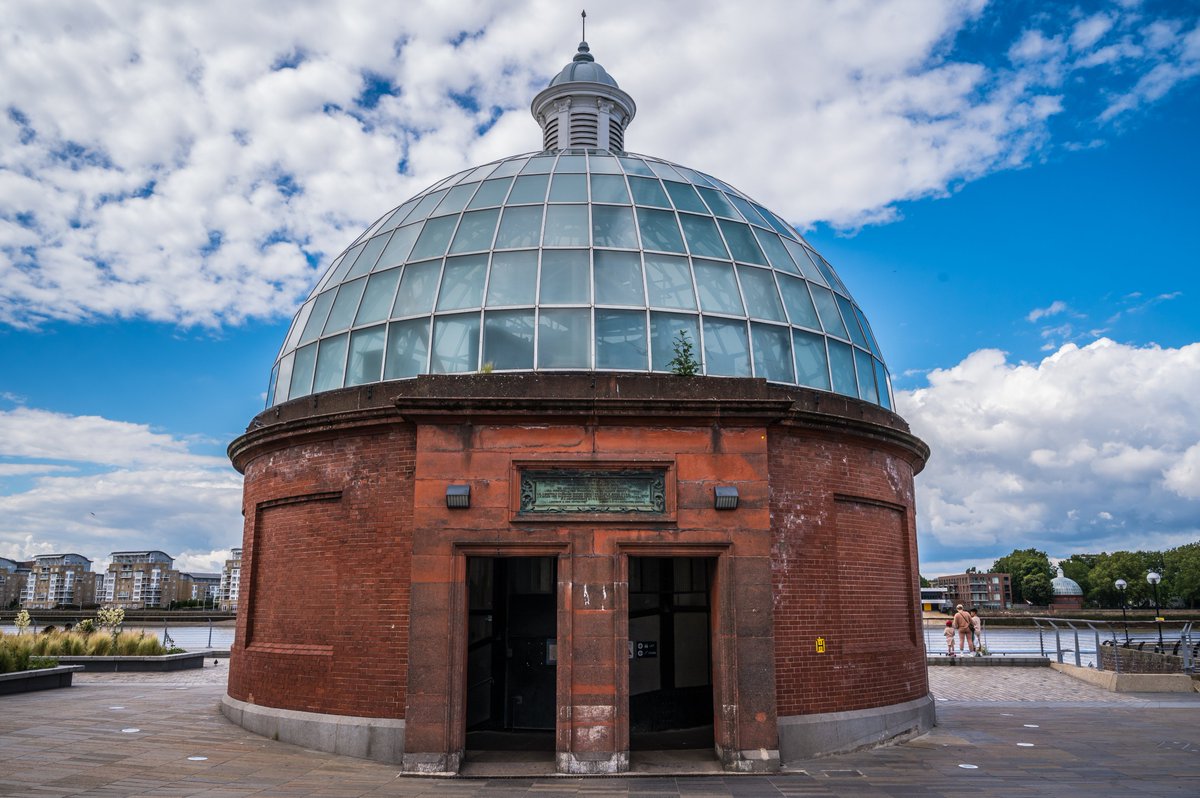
480 508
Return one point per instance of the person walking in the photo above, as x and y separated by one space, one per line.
949 633
977 631
966 632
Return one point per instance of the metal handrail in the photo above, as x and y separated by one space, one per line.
1184 646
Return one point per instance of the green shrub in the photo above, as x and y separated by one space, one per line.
8 663
42 662
99 644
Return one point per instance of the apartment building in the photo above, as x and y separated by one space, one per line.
231 581
991 590
13 576
205 588
59 580
141 580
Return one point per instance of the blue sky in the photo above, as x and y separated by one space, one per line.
1009 194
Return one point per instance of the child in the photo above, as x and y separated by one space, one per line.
949 633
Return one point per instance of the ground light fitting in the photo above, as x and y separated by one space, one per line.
458 497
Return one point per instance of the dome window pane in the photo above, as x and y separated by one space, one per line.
456 199
726 350
271 385
812 366
366 259
609 188
479 173
425 206
866 328
669 283
772 352
762 298
665 171
571 163
664 331
831 320
618 278
513 281
345 306
798 302
520 227
331 363
316 319
692 176
741 242
702 237
747 210
830 276
866 376
881 380
529 188
434 238
603 164
508 339
377 299
475 231
398 248
621 340
417 289
462 283
302 371
718 288
492 192
841 366
847 309
508 168
366 355
298 325
717 203
566 226
344 264
398 215
568 188
800 256
776 252
648 192
613 227
660 230
539 165
636 166
685 197
564 336
780 226
455 344
407 350
283 383
566 278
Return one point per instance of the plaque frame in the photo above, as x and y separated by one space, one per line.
657 503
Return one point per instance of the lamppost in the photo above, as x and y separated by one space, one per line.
1154 578
1121 585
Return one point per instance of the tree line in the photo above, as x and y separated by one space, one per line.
1097 574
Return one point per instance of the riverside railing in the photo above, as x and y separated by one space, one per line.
1181 645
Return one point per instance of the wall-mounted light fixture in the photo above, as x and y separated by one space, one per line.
458 497
725 498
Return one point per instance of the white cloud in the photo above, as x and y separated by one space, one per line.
1053 309
127 488
1092 448
184 162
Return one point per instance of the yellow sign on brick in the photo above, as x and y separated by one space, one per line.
820 645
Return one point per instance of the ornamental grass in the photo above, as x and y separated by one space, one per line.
16 651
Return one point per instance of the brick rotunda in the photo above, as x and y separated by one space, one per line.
485 511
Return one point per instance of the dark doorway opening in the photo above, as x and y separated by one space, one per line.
670 653
511 653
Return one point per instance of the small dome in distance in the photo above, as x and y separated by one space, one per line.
1062 586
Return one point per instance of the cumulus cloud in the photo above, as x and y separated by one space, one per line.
1092 448
199 163
127 487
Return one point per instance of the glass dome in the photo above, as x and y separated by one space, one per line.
580 259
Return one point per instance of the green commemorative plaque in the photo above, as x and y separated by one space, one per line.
580 491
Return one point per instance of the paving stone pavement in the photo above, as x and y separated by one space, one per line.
1026 731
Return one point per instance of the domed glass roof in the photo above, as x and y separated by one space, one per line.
1065 586
579 260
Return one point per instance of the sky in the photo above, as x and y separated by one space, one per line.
1007 188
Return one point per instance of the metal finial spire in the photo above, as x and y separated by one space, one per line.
583 25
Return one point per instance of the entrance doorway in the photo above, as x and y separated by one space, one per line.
511 652
670 653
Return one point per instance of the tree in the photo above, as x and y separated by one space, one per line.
684 363
1020 564
925 582
1036 588
1131 566
1181 571
1079 568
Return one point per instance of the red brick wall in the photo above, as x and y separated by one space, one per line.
325 586
842 569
